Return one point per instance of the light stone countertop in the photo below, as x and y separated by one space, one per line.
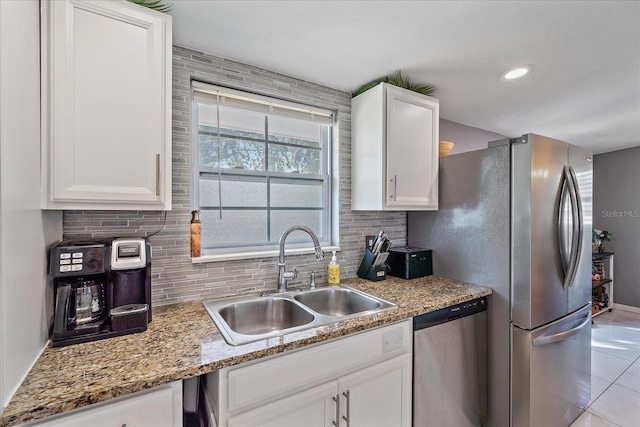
182 342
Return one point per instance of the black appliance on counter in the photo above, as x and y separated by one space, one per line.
102 289
409 262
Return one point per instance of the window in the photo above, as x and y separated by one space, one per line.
260 165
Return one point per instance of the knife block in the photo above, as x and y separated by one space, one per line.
369 271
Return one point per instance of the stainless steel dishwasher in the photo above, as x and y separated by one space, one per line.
450 366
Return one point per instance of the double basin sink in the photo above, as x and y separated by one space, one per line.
246 319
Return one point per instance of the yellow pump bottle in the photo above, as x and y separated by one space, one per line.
334 270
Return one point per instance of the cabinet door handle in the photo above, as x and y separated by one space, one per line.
348 417
395 187
336 399
157 174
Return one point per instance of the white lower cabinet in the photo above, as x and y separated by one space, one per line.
315 407
362 380
379 395
157 407
375 396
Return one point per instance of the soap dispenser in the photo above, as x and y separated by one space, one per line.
334 270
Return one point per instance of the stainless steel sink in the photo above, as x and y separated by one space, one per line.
264 316
246 319
338 301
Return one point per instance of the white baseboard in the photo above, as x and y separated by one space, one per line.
629 308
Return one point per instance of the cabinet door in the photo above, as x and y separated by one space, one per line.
412 150
160 406
378 396
315 407
106 99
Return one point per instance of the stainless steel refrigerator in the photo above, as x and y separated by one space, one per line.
517 217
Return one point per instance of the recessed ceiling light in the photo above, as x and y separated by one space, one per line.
516 72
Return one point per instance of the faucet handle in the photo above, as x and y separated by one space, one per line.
290 275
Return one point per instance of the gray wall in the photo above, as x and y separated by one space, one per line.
466 138
174 277
617 209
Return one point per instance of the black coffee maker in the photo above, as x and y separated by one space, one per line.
102 289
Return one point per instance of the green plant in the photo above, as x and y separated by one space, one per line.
399 80
598 237
155 5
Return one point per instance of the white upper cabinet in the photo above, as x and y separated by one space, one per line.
106 106
394 150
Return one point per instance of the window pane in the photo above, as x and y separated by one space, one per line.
237 191
275 174
295 131
236 228
296 193
240 154
234 121
282 220
283 158
235 153
207 150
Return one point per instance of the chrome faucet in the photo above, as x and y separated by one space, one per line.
284 275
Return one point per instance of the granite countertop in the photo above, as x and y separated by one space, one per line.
182 342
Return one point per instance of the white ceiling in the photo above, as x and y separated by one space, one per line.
585 88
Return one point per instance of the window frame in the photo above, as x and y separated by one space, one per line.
328 175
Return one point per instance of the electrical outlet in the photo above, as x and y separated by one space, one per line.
370 241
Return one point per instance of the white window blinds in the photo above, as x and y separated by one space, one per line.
261 104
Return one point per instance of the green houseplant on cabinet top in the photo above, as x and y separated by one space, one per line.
155 5
399 80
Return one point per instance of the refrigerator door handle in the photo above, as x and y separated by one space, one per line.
561 336
564 223
578 227
570 247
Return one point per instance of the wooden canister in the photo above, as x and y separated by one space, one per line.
196 230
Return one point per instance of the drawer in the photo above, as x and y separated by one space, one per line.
266 380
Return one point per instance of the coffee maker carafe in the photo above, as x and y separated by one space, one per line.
102 289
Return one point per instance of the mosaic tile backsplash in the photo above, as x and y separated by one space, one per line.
174 277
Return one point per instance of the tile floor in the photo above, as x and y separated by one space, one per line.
615 372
